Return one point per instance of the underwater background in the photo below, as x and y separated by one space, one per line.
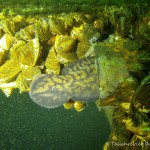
35 7
25 125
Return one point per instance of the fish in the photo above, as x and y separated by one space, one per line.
87 79
78 81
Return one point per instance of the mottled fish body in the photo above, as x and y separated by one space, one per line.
77 81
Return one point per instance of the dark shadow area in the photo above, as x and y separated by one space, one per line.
38 7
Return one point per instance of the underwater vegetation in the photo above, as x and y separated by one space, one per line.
34 7
73 58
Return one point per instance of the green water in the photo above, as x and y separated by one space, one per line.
34 7
27 126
